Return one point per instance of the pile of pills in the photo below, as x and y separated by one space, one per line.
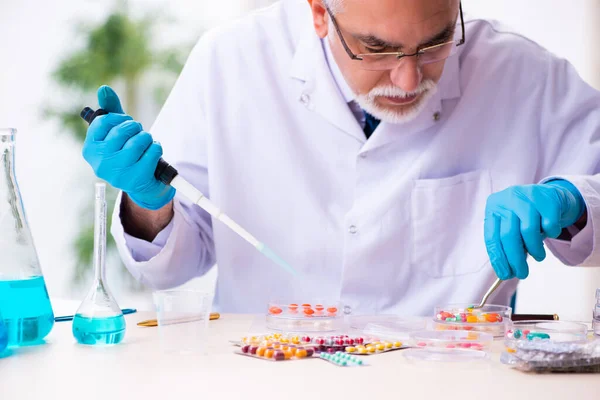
526 334
469 316
324 344
278 351
342 359
303 310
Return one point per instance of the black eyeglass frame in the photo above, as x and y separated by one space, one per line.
399 55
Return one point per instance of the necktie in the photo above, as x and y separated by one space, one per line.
371 124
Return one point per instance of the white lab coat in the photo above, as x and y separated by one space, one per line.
390 225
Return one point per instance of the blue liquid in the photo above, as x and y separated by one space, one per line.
26 310
3 337
99 331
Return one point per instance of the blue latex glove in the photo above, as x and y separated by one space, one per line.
518 219
125 156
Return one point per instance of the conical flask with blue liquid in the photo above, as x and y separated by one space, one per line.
99 319
26 310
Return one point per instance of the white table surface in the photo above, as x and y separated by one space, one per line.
138 369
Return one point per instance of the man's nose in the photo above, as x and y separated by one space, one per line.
407 75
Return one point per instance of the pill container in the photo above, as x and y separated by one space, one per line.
554 331
304 317
472 340
491 318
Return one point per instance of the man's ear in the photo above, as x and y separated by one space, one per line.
320 20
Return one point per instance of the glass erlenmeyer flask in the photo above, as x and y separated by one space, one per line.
24 301
99 320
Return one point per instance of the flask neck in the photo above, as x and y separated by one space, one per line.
100 235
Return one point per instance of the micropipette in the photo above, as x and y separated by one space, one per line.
168 175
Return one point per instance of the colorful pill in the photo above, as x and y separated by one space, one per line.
388 345
309 311
293 307
351 349
275 310
397 344
301 353
380 347
537 335
332 310
319 307
422 344
305 305
261 351
245 348
492 318
269 353
279 356
517 334
471 319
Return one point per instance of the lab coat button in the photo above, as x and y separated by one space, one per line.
305 99
352 229
437 115
347 310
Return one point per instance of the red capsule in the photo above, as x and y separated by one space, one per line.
245 348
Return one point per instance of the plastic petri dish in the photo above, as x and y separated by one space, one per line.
445 355
491 318
554 331
395 329
304 317
471 340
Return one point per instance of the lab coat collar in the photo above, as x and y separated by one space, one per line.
320 92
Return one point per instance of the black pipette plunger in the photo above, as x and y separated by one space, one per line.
164 171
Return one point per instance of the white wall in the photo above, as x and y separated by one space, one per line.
570 29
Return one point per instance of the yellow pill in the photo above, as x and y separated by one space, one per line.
360 346
296 341
284 340
380 347
277 335
350 349
397 344
362 350
371 349
389 345
511 350
472 336
471 319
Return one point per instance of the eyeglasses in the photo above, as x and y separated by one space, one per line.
390 60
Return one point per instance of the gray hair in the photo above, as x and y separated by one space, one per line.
334 5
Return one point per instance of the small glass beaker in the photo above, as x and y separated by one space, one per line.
183 317
24 301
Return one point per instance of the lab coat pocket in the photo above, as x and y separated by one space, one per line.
447 224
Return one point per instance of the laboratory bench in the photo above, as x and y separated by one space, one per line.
138 369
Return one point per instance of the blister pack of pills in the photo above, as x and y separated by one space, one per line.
540 356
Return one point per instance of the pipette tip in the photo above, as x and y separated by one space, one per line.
271 254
